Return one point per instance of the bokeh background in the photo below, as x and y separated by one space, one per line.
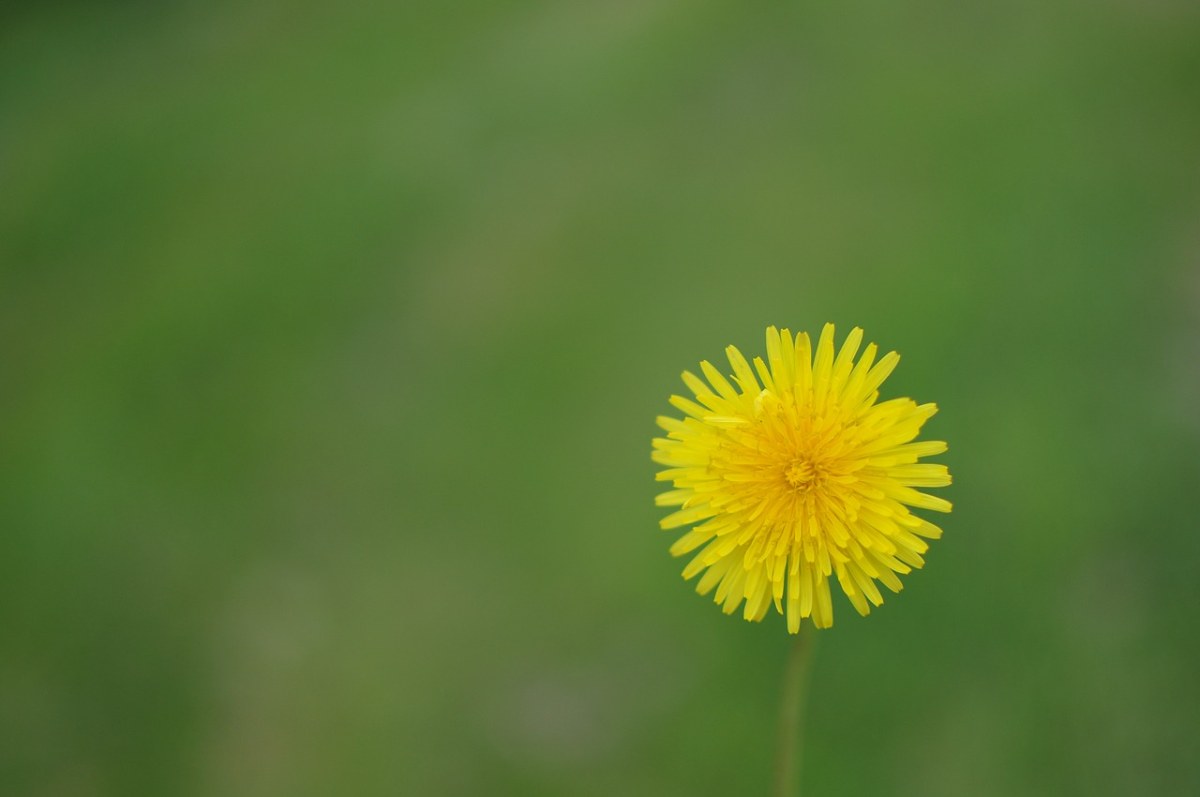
332 335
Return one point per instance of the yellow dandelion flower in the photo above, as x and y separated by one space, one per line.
797 476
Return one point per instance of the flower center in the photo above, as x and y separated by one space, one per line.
803 474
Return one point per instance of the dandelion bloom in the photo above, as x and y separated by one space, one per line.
797 476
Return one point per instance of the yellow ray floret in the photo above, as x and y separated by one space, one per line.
790 472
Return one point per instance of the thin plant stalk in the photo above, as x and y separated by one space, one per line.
788 755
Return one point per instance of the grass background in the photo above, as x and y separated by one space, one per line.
331 338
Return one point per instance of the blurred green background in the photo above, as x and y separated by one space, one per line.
332 335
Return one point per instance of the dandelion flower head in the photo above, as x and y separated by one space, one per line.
792 473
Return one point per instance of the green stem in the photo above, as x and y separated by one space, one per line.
791 712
